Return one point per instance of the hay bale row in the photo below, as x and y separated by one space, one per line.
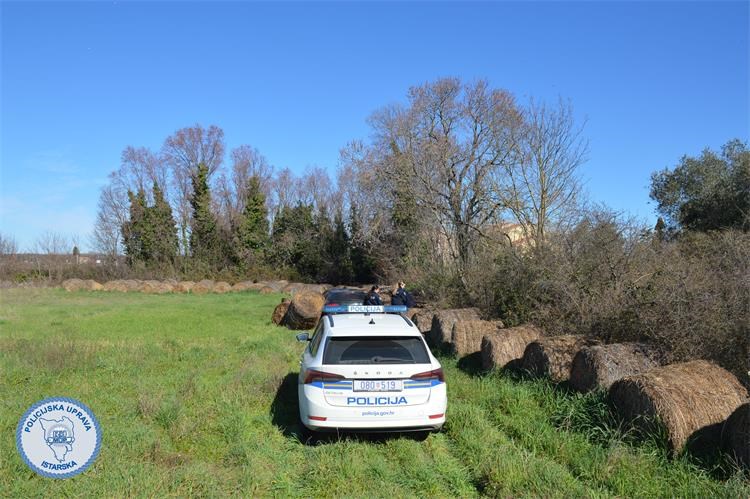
505 348
691 400
598 366
443 321
304 310
466 336
553 356
202 287
736 435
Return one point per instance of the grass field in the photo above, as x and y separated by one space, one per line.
196 395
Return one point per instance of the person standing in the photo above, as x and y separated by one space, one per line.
373 297
400 296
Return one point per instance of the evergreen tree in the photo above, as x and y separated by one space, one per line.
296 241
341 270
204 238
252 226
132 230
160 238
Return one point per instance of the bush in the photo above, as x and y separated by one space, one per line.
616 280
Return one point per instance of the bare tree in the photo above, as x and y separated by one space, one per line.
445 146
183 151
231 190
139 169
543 184
315 188
285 189
8 245
52 249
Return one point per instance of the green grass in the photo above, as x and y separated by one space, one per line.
196 395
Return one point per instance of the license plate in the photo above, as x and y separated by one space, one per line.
378 385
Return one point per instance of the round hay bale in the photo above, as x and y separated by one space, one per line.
81 285
183 286
242 286
91 285
304 311
277 286
72 285
131 285
171 282
442 324
422 318
736 435
222 287
466 337
505 348
266 290
203 287
115 285
150 286
597 367
553 356
279 312
690 400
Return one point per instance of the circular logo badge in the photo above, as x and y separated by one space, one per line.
58 437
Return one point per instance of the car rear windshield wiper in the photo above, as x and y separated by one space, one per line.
394 360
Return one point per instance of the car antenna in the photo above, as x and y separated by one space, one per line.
372 321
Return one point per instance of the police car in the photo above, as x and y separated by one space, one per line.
368 368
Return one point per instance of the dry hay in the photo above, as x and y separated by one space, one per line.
736 435
280 311
304 311
422 318
81 285
598 366
466 337
266 290
553 356
277 286
442 324
115 285
203 287
505 347
155 287
131 285
243 286
222 287
183 287
690 400
292 288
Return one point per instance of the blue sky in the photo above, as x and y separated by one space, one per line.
80 81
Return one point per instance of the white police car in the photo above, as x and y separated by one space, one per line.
367 368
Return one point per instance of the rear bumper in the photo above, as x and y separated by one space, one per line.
429 416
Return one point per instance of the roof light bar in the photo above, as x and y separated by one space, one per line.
364 309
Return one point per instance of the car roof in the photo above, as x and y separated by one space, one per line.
373 324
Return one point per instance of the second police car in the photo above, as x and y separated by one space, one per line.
368 368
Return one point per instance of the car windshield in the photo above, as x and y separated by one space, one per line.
375 350
345 297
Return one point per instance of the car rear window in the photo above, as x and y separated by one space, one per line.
345 297
375 350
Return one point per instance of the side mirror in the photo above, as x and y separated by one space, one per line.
301 337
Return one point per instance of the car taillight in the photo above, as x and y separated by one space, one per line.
313 375
427 375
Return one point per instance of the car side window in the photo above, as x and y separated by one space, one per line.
315 343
